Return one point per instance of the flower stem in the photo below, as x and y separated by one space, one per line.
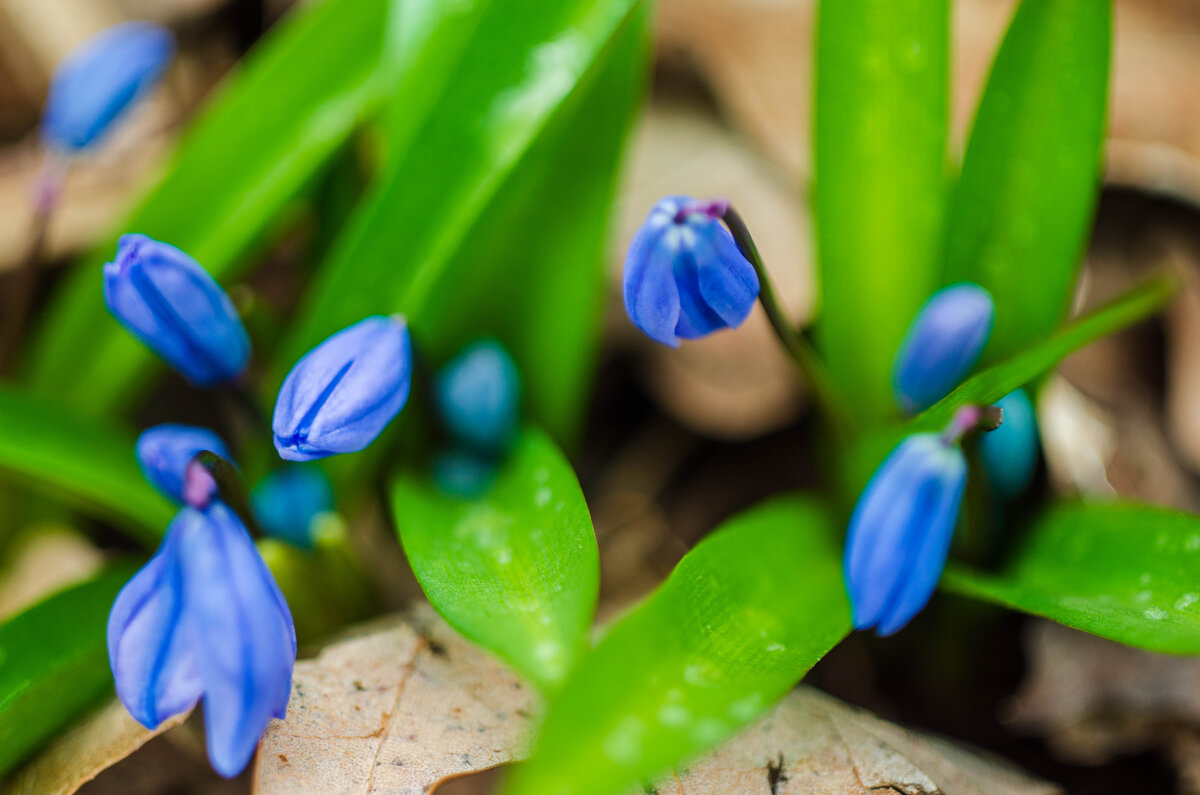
808 364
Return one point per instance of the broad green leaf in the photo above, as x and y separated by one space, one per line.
528 69
1130 573
76 458
882 98
54 663
516 569
987 387
740 621
1023 206
291 103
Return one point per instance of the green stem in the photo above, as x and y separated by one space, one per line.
808 365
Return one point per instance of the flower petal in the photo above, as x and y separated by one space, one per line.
153 664
651 296
727 280
244 637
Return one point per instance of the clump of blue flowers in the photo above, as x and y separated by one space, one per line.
204 620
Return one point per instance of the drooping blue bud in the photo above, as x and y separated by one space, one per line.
463 473
942 345
479 396
900 531
1010 453
684 275
165 299
163 453
286 502
204 618
97 82
344 392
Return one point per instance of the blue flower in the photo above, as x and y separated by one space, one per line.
166 300
101 79
204 618
1010 453
286 502
942 345
163 453
345 391
479 397
900 531
684 275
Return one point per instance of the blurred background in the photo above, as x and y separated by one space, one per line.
676 441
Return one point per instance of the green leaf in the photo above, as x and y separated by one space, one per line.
882 99
1023 206
516 569
418 247
78 459
1125 572
288 107
987 387
54 663
740 620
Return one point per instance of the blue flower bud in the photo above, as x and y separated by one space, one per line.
900 532
166 300
204 618
286 502
1010 453
942 345
101 79
463 473
163 453
684 275
344 392
479 397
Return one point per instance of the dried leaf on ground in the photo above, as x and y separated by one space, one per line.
102 739
403 708
399 708
1095 700
44 560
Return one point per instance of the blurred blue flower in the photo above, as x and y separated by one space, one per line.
163 453
286 502
170 303
463 473
344 392
684 275
204 618
942 345
900 531
1010 453
479 396
97 82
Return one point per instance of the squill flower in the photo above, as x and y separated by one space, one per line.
479 397
164 451
287 501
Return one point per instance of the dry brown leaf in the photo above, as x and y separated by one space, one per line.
1095 700
402 710
101 740
395 709
44 560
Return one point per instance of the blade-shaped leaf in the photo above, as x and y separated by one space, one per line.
1023 206
740 620
290 104
989 386
54 663
81 460
882 98
528 68
1130 573
516 569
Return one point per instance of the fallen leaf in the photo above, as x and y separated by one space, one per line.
405 707
43 560
398 709
99 741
